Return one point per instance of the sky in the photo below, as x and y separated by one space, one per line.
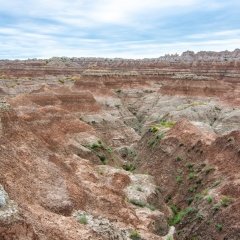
116 28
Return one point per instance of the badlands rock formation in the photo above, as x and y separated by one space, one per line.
95 148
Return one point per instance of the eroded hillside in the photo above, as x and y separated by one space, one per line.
96 148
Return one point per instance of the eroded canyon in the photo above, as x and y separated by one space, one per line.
94 148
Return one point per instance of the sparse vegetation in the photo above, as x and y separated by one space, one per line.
151 207
141 204
178 158
134 234
209 199
161 136
216 207
219 226
226 201
176 218
191 176
208 169
198 196
190 165
109 149
102 156
137 202
199 216
190 200
83 219
179 179
181 144
154 129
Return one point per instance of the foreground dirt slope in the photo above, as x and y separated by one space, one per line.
94 148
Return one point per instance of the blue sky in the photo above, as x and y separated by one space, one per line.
116 28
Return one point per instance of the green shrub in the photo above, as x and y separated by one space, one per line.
179 179
151 207
95 146
199 216
102 156
139 189
135 234
225 201
190 176
216 207
189 210
209 199
83 219
178 158
181 144
219 226
109 149
216 183
190 165
174 209
127 167
137 202
198 196
176 218
154 129
79 154
161 136
190 200
165 124
105 162
208 169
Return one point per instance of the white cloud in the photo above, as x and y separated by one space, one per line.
110 28
228 33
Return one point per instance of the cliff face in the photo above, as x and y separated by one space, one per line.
117 148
